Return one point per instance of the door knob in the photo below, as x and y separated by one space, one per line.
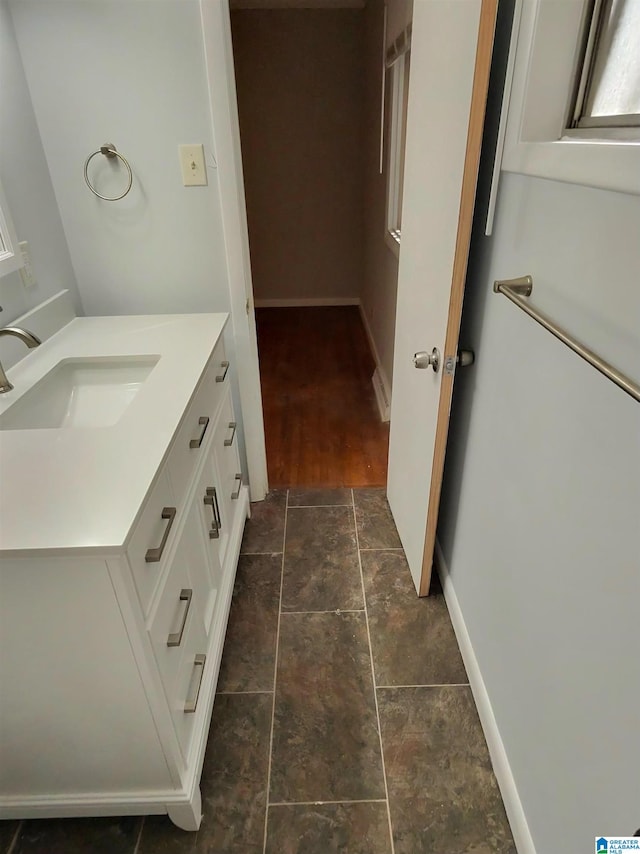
423 359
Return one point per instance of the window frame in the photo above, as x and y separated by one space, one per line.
10 255
593 31
539 99
396 149
398 69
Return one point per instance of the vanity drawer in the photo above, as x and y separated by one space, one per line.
225 445
152 539
192 437
170 625
188 696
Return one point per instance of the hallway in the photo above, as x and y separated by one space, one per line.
322 424
343 708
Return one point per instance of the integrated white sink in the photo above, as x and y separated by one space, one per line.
87 392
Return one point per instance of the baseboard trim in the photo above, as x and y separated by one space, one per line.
305 303
382 396
502 768
381 384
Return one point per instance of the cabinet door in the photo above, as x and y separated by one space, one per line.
227 460
192 438
213 518
204 563
152 540
188 597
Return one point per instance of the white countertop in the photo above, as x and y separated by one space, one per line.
82 488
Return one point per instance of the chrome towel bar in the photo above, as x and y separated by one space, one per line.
517 290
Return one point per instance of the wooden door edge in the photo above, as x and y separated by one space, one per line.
479 92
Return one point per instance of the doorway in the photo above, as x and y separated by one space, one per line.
309 84
445 119
321 421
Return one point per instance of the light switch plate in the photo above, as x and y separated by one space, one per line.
194 172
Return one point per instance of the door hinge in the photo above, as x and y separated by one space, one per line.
246 306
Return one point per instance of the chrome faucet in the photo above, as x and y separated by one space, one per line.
29 339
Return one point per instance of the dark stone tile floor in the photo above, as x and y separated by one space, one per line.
371 744
264 531
429 654
326 745
376 528
345 828
321 570
95 835
8 830
319 497
250 645
434 747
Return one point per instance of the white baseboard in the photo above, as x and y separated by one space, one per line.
381 384
305 303
382 397
502 769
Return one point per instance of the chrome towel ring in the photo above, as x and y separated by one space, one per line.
109 150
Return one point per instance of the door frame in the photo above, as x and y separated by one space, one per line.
218 47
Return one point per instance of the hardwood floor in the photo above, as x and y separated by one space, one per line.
322 423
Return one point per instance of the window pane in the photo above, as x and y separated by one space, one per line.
615 85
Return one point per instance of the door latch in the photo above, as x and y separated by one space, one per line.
463 359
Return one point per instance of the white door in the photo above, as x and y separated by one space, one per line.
451 47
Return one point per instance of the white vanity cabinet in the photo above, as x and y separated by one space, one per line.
109 657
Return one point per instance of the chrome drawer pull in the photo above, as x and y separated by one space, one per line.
211 498
190 705
175 638
221 377
204 421
236 494
217 508
232 427
154 555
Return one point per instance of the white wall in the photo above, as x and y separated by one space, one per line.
30 196
132 74
299 80
135 74
539 518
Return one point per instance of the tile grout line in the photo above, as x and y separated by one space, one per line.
373 674
234 693
259 554
142 823
330 611
12 844
313 506
425 685
324 803
275 678
385 549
